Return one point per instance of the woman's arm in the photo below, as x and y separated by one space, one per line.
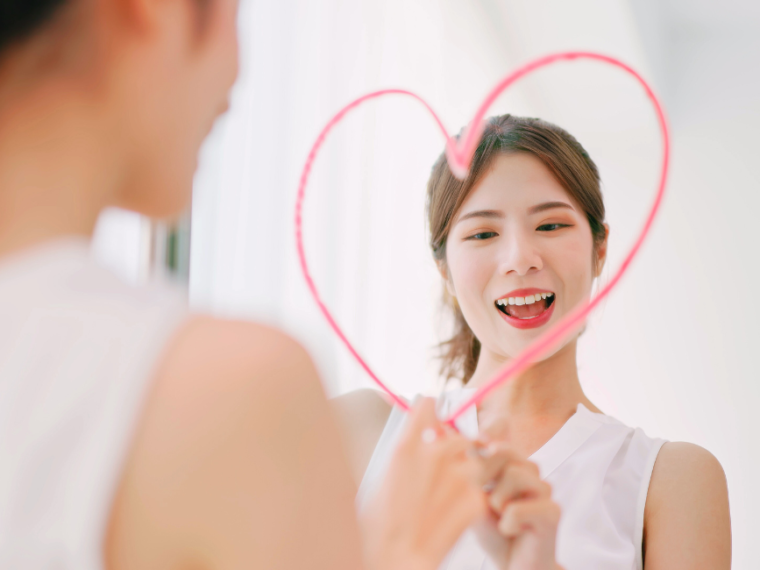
686 519
361 416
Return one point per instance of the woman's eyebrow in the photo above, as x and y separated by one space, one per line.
548 206
480 214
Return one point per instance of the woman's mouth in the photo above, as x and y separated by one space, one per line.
526 309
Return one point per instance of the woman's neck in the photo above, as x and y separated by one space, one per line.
55 173
549 388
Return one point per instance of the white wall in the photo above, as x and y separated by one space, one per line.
672 349
701 379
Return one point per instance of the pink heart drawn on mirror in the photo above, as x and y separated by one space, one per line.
459 154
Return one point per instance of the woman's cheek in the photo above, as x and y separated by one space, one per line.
472 272
575 273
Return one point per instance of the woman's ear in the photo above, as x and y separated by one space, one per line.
601 252
444 271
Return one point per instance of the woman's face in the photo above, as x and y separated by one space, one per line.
519 254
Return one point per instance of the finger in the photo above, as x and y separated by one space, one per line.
540 516
472 467
422 418
451 451
496 458
518 480
423 414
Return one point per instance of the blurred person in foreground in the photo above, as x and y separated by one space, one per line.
132 433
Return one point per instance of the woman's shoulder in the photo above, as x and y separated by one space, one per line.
687 501
213 369
362 415
684 469
362 403
237 408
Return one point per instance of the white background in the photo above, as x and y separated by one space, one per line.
673 350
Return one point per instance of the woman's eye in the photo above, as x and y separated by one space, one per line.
482 236
551 227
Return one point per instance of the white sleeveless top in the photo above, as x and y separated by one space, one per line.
77 349
599 470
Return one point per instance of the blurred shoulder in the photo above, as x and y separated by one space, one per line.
223 374
236 441
362 403
218 375
361 415
221 355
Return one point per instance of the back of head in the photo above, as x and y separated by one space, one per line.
20 18
133 86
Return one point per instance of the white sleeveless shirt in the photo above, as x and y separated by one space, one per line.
77 350
599 470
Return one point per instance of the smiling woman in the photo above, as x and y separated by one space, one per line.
559 161
519 244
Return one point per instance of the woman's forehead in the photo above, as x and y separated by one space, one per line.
515 181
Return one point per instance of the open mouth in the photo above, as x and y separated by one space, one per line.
527 311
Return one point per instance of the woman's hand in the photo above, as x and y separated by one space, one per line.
520 528
431 494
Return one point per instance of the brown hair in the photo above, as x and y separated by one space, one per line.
563 156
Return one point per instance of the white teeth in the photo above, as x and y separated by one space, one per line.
529 300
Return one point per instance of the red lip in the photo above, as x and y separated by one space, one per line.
533 323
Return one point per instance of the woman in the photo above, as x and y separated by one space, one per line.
133 434
519 244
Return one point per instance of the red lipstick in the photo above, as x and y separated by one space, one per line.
536 314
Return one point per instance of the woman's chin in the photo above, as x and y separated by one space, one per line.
514 342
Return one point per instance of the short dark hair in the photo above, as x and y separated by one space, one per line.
19 19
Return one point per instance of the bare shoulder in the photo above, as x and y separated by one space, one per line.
686 520
362 406
685 472
213 367
680 463
219 355
362 415
236 453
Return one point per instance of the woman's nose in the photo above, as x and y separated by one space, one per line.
520 256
